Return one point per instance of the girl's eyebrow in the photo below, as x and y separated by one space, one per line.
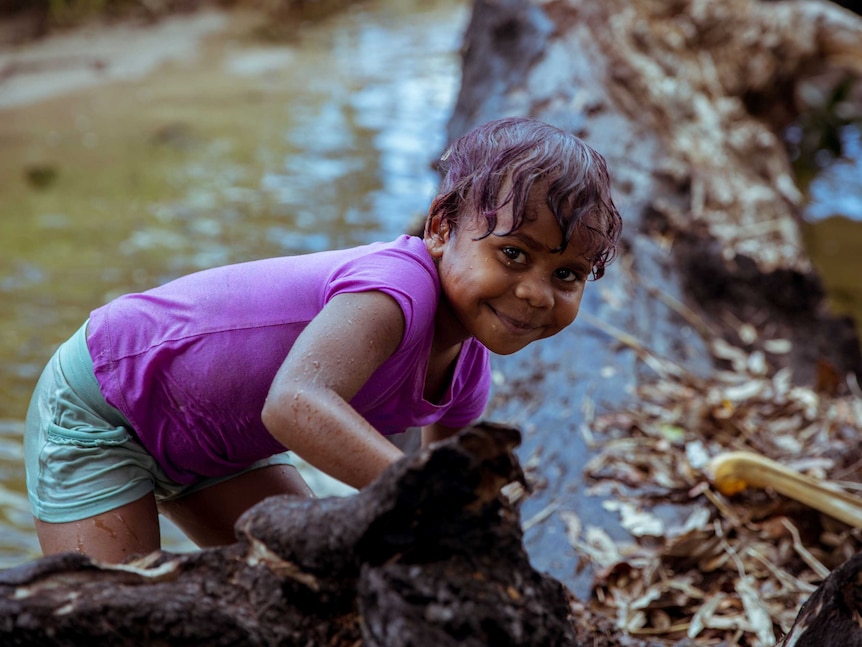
531 242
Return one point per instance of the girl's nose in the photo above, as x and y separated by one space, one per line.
535 290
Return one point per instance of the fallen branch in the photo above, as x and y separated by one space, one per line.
429 554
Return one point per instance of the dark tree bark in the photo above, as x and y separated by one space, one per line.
429 555
831 614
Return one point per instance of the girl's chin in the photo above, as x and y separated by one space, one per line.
504 346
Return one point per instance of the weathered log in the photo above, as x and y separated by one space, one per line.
831 615
429 554
687 100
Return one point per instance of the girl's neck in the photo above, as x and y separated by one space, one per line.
449 335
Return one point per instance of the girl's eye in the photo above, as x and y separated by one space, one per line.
566 275
515 254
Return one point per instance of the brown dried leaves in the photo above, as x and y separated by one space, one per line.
709 567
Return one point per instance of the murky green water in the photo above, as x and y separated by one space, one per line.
833 233
254 148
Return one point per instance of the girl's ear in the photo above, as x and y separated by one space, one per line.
437 234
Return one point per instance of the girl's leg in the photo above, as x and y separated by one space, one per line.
113 536
207 516
90 482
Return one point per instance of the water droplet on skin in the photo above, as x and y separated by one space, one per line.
102 526
128 528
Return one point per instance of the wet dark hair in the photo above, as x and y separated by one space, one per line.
477 166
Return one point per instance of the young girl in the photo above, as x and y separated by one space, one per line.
184 398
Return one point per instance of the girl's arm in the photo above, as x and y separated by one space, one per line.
307 408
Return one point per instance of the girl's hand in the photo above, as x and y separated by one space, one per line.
307 408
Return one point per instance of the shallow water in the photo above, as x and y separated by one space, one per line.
833 232
256 146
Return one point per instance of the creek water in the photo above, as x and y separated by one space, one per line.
262 141
833 227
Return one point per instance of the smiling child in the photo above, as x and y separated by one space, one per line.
184 399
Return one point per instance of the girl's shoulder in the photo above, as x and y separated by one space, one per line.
404 248
402 269
403 261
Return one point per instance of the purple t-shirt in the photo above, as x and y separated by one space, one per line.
190 363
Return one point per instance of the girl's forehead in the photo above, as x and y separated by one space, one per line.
535 211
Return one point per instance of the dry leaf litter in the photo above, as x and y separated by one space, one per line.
730 570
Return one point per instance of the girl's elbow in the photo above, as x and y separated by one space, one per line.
286 414
269 416
280 426
275 415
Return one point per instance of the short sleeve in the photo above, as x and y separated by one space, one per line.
404 277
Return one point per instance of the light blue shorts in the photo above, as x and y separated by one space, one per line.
81 456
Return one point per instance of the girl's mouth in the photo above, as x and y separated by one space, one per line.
516 326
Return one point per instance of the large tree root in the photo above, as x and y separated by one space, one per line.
430 554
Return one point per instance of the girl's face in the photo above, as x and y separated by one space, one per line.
507 291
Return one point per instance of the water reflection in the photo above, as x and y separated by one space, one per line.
251 149
838 189
833 227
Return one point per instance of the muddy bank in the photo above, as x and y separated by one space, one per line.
93 54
